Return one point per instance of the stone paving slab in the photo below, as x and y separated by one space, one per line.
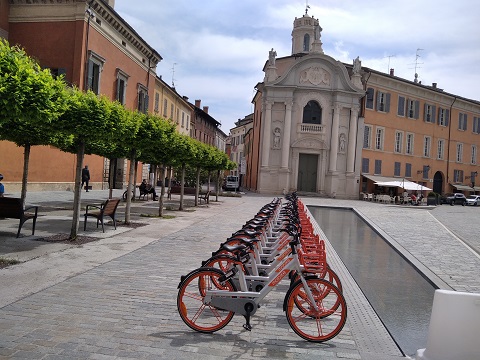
118 300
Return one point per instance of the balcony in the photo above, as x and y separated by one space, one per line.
310 128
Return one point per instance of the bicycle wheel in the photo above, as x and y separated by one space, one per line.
330 275
197 315
316 325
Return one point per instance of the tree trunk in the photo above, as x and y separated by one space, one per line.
162 191
26 159
77 192
182 187
218 185
131 184
197 187
111 177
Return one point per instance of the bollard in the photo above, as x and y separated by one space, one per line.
454 331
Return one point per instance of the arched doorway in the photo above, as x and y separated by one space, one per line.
438 182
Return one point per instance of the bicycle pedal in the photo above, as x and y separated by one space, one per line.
247 327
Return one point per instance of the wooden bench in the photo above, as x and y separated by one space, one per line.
108 208
12 208
186 191
189 191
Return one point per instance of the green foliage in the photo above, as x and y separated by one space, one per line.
30 99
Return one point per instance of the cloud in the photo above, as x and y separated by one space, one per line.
221 46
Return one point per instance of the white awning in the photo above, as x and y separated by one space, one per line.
462 187
397 182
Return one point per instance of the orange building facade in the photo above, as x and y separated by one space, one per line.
95 49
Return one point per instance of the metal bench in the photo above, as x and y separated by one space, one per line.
13 208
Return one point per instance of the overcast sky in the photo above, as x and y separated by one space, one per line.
218 48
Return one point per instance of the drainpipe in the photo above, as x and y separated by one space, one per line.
90 15
449 135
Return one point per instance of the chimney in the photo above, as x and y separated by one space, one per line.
205 109
434 85
392 72
197 103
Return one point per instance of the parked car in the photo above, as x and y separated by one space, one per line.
452 199
473 200
231 183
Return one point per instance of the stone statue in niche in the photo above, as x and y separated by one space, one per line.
342 143
276 138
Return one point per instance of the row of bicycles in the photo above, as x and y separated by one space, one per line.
277 243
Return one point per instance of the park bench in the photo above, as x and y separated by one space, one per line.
13 208
141 194
189 191
108 208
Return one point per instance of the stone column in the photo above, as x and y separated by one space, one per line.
352 140
286 134
334 139
267 134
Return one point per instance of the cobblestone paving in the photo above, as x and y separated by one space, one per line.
126 308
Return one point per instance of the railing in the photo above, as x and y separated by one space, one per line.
310 128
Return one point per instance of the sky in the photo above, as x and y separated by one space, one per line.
215 50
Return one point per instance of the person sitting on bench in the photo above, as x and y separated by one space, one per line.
146 188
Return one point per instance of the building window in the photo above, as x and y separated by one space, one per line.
426 146
378 167
188 121
312 113
367 137
408 170
365 165
443 115
476 125
440 149
95 67
183 119
396 170
383 101
122 78
426 169
459 152
172 110
57 72
178 116
409 144
458 176
412 106
401 106
398 141
165 107
462 121
379 139
429 114
157 102
142 104
474 155
306 43
370 98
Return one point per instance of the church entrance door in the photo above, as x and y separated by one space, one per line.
307 172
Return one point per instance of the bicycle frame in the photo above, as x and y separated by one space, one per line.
246 302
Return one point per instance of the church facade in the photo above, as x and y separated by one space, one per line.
307 121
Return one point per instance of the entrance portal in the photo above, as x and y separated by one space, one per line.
438 182
307 172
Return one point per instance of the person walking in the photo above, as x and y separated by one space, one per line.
85 177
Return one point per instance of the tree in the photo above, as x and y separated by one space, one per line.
30 102
185 151
88 120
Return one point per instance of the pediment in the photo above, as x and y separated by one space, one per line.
317 71
310 143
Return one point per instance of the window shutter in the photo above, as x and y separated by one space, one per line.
439 113
417 109
465 120
90 75
425 108
370 97
377 107
447 116
387 105
401 106
434 111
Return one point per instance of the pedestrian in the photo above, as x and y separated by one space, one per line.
146 188
2 188
85 177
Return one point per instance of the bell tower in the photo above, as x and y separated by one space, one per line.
306 35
